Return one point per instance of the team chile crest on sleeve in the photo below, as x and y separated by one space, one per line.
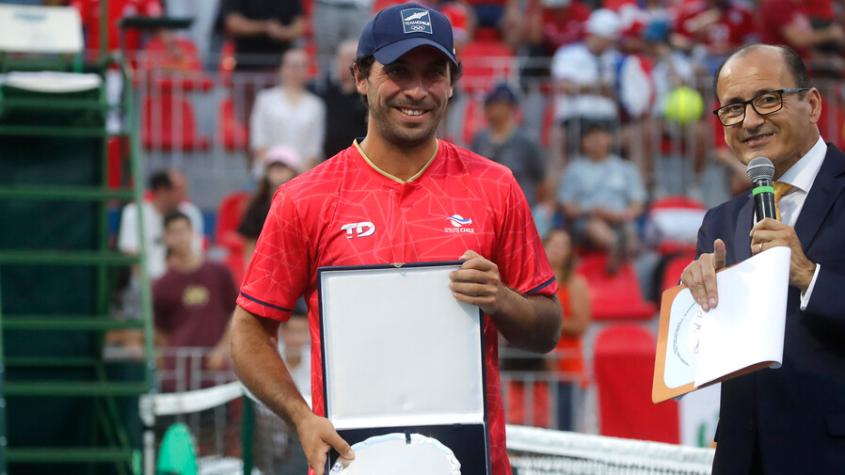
416 20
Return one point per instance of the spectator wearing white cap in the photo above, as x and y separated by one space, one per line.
584 75
275 167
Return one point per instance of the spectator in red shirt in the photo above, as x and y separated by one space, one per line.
554 23
821 16
712 29
548 25
787 22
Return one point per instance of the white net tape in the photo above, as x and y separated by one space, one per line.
536 451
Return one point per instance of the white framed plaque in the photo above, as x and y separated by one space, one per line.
401 355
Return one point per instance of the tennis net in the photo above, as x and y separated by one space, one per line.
535 451
235 434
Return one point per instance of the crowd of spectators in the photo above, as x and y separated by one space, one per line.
609 70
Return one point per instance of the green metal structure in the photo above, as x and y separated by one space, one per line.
64 408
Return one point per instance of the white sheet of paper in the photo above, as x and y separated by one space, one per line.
400 349
747 326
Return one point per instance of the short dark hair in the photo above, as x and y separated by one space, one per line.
176 216
365 64
793 63
160 180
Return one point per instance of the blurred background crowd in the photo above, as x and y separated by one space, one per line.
600 109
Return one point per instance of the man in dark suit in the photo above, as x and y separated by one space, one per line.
789 420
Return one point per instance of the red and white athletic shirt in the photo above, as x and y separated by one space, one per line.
347 212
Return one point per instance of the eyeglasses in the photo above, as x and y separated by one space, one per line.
764 103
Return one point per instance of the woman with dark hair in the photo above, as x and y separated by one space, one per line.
274 168
574 296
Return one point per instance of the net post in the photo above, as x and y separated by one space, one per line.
247 425
146 409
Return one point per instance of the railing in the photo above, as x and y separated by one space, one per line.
186 369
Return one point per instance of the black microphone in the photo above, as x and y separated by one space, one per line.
761 172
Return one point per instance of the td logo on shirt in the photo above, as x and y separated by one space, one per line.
362 229
416 20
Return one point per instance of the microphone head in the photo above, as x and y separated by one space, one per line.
760 168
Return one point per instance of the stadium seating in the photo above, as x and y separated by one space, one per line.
485 63
616 296
170 62
168 123
623 369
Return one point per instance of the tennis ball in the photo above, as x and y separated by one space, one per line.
683 105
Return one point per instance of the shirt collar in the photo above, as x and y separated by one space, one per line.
375 167
803 173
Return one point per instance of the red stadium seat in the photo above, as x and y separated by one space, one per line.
673 269
170 62
624 367
234 134
167 123
617 296
485 63
229 215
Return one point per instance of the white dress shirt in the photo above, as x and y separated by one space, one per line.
801 176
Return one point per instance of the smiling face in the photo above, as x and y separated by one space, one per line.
407 99
783 136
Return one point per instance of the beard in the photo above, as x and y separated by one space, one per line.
403 136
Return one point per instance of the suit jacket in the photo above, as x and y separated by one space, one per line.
794 415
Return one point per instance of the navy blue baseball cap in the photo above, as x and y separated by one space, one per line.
501 92
398 29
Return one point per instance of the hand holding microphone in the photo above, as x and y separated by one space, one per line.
768 231
700 275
